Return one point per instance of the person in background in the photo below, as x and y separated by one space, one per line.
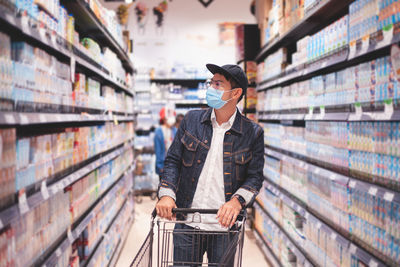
179 118
163 137
215 162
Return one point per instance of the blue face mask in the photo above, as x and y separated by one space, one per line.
214 98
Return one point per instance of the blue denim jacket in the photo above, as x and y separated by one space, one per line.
243 159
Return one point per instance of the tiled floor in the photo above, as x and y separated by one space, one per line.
252 255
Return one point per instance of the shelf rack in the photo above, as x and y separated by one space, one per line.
28 29
368 48
89 24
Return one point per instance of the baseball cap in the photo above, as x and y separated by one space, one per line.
233 71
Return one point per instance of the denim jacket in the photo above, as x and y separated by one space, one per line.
243 158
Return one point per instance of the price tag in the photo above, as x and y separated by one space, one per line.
307 216
359 111
332 176
25 25
389 109
353 249
9 119
333 236
58 252
395 57
388 196
322 109
24 119
73 63
372 190
319 225
42 118
22 202
43 189
387 35
352 184
317 171
373 263
310 113
364 45
115 120
71 238
54 189
352 49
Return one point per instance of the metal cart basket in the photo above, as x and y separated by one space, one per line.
227 244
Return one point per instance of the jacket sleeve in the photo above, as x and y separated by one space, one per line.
159 150
255 172
172 165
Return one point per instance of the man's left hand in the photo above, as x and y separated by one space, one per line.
228 213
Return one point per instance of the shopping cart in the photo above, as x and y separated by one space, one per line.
227 243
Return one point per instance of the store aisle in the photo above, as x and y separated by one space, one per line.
252 255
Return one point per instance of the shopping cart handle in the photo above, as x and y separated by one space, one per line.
185 211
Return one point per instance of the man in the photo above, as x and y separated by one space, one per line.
215 162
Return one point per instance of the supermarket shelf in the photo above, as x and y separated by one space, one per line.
389 115
13 213
314 19
75 233
301 256
121 243
90 25
56 44
269 254
190 83
337 59
276 116
22 118
372 189
384 183
103 236
339 235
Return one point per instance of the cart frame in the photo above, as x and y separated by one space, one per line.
232 242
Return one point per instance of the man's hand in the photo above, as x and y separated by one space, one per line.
228 213
164 207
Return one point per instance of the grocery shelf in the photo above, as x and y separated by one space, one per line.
121 243
269 254
190 83
25 118
103 236
13 213
315 18
338 170
389 114
337 59
297 250
92 26
341 236
50 41
73 234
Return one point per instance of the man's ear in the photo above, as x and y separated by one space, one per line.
237 93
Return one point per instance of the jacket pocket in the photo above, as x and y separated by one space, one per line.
190 144
241 160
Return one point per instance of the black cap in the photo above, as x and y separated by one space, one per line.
233 71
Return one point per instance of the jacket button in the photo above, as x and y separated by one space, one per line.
198 161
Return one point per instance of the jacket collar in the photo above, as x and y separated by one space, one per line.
237 124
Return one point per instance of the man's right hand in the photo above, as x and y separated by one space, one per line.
164 207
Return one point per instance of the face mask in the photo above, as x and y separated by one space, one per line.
214 98
171 121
